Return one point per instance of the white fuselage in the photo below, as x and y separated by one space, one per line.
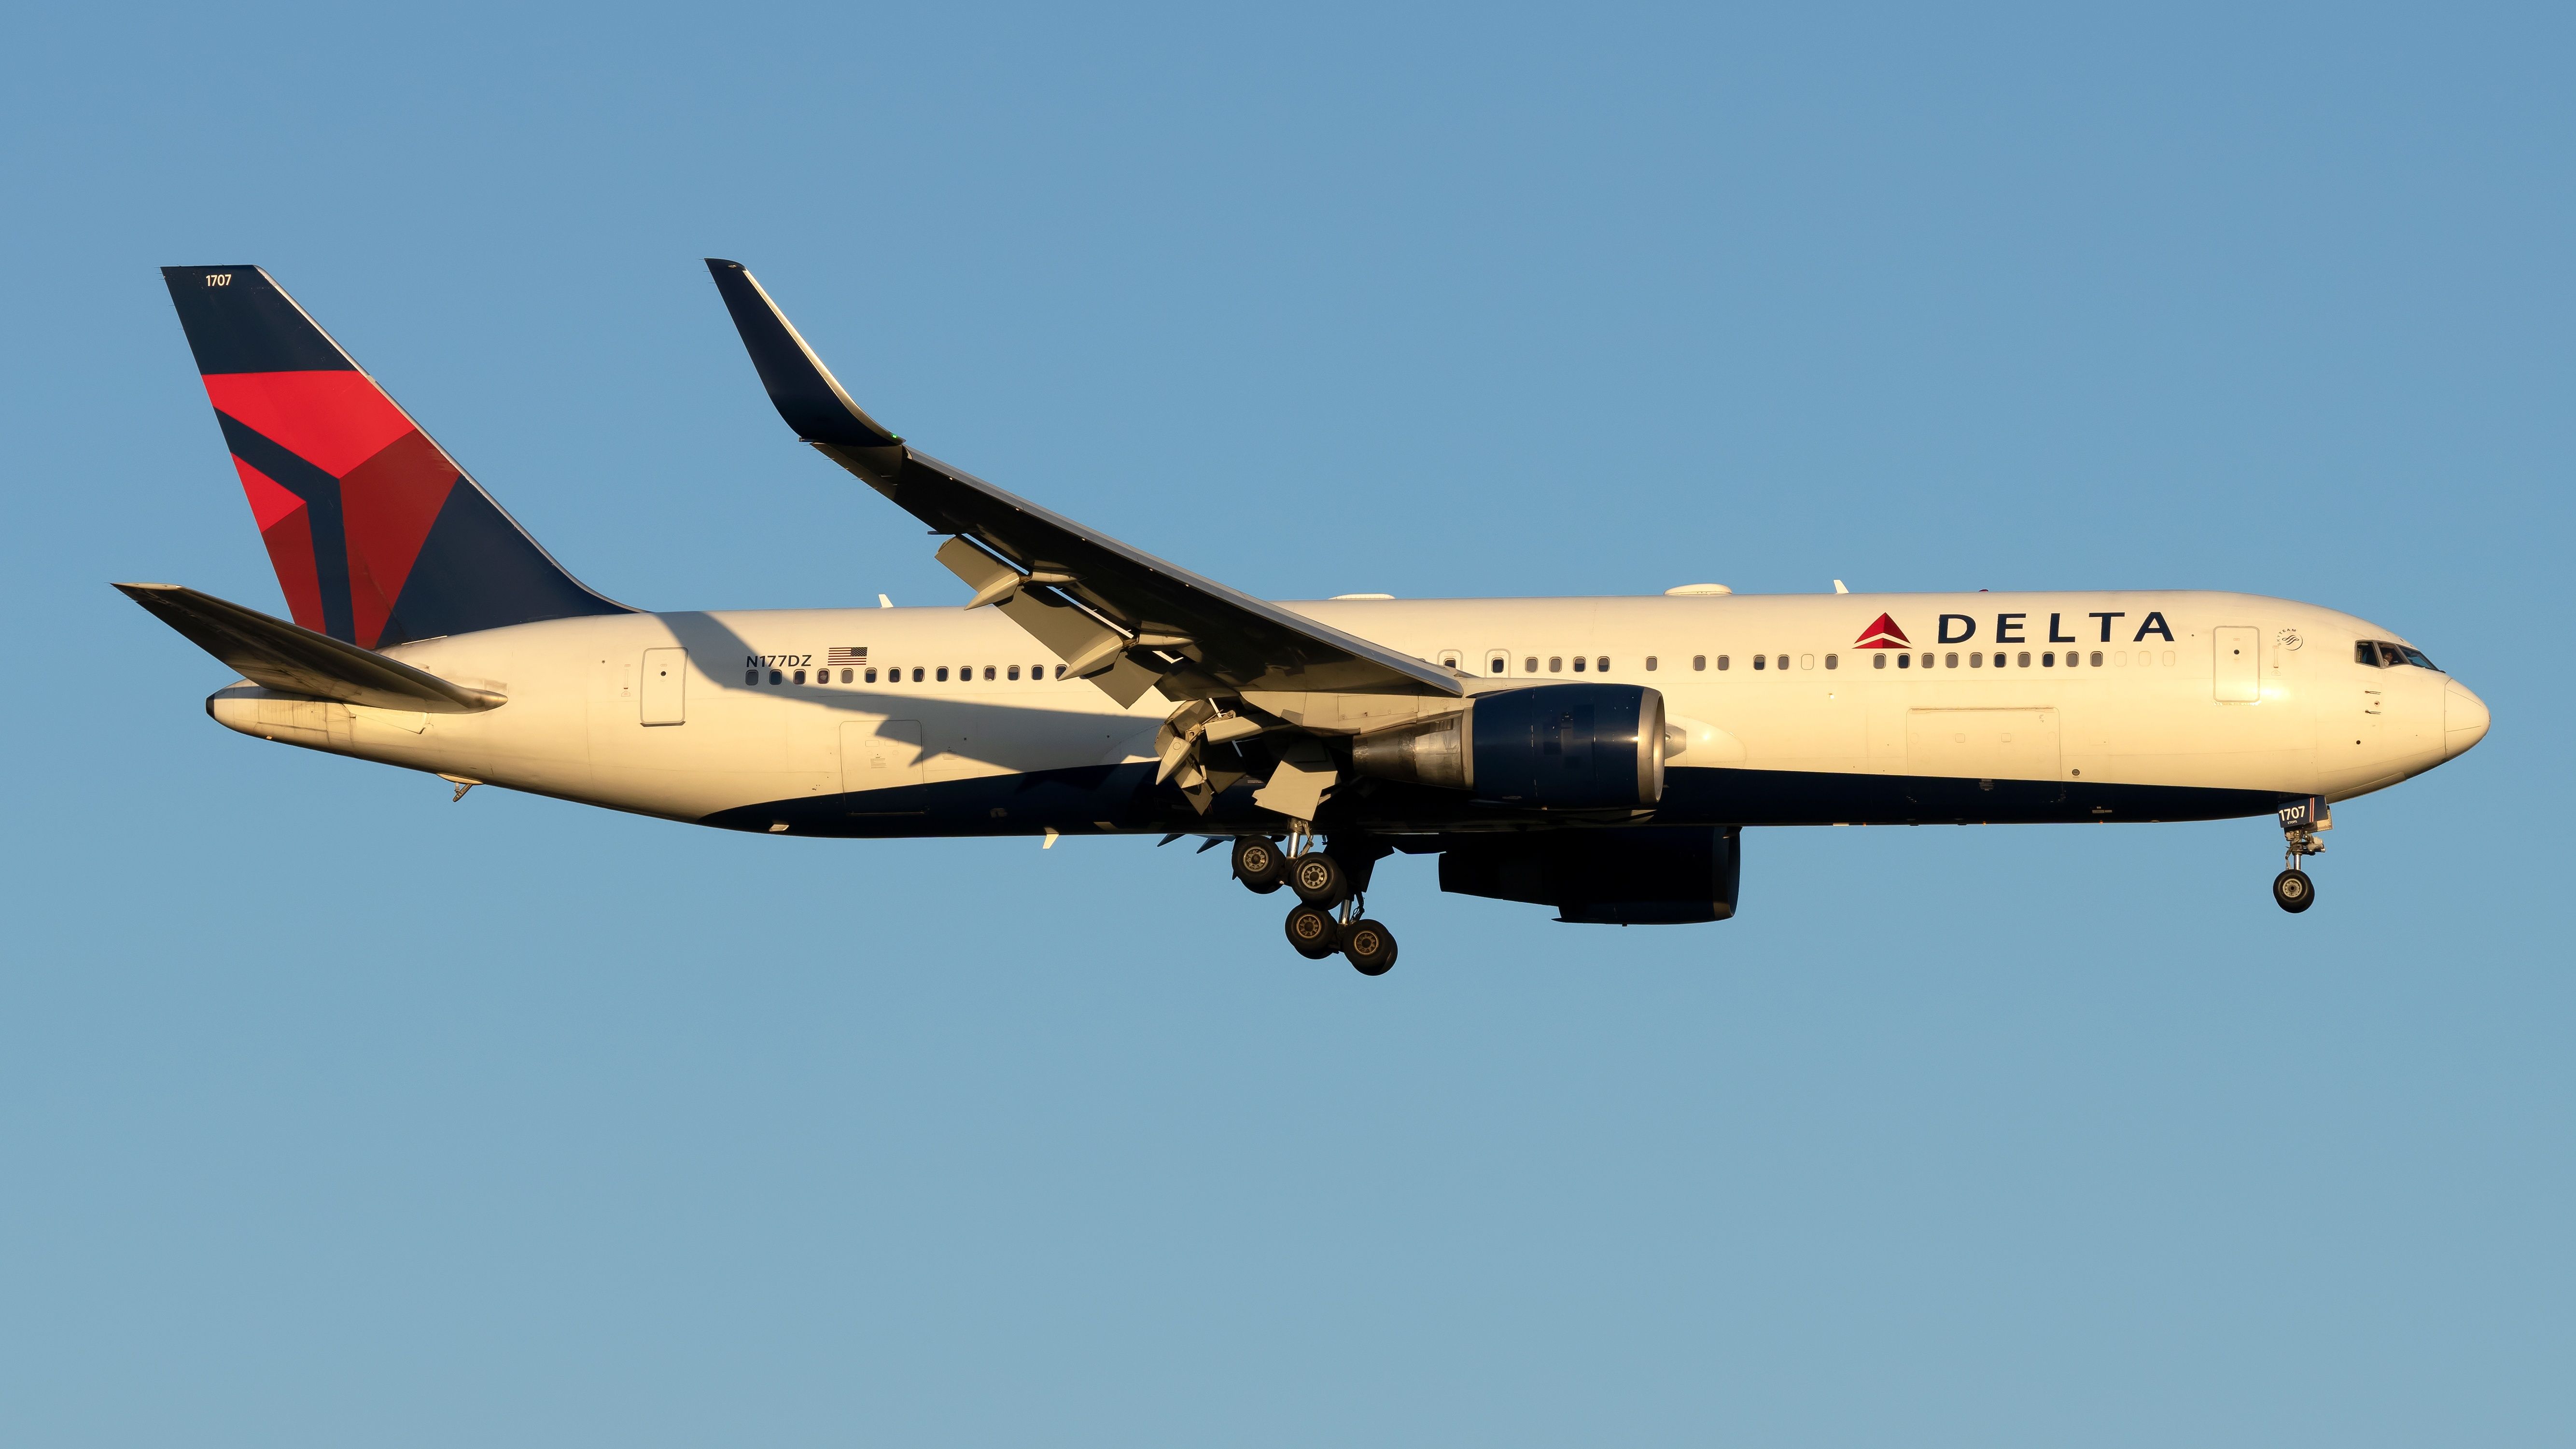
2177 690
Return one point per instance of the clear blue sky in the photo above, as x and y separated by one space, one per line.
332 1113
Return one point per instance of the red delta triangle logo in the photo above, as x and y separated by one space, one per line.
1882 633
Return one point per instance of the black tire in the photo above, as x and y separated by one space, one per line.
1370 947
1314 932
1259 865
2292 891
1318 879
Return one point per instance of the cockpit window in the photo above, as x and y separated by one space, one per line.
2389 655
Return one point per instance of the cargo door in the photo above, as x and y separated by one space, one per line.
1982 744
880 754
666 683
2240 664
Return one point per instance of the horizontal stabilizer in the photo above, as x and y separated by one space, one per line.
292 659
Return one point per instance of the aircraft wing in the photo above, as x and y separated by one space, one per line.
292 659
1113 613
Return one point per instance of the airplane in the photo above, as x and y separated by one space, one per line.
1602 756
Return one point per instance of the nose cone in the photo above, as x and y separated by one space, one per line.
2464 719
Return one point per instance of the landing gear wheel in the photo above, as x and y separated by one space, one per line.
1259 865
1314 932
1318 879
1370 946
2292 891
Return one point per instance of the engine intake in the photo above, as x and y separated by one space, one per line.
1551 746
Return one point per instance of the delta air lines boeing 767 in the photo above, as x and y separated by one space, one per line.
1601 756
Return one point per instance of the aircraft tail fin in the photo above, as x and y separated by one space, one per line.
377 536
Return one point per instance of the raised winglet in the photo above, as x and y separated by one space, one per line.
292 659
800 386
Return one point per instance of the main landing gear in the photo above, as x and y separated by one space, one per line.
1327 917
2292 891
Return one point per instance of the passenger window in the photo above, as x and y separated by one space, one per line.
988 671
1806 661
1556 664
1699 662
751 676
777 678
872 676
2169 658
1903 661
916 674
1530 665
1650 664
1761 661
1975 660
1578 664
2097 658
1500 664
2049 659
1876 661
1724 662
1015 671
1784 662
845 676
1601 665
1059 671
800 676
1449 657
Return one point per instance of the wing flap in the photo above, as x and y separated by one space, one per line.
292 659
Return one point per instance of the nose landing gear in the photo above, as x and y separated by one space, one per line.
2292 891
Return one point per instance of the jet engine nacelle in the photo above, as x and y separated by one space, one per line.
1549 747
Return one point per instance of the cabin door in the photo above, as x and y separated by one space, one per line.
2240 664
666 682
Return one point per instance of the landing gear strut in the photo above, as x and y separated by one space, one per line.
1328 917
2292 891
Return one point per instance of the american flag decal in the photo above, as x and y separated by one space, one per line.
842 654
